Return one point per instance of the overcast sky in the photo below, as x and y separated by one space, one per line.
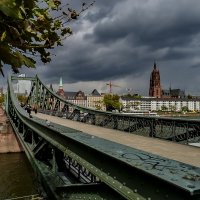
118 41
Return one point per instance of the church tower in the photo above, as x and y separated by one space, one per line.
60 89
155 87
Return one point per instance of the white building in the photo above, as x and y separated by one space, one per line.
23 86
155 104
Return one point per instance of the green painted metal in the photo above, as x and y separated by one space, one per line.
50 179
27 197
173 172
23 78
6 102
121 171
176 130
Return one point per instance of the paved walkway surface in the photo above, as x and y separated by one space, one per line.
183 153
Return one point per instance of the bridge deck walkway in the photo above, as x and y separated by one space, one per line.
182 153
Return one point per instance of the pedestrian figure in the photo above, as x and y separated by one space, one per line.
28 109
35 109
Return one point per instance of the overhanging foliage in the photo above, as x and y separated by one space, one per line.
30 28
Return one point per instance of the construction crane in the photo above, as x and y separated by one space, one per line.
110 84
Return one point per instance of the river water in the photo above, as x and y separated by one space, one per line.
16 176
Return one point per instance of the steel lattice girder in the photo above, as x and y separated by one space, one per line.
137 175
177 130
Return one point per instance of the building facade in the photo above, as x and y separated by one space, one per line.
156 104
173 93
95 101
78 98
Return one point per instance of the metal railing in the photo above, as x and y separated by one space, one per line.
74 165
184 131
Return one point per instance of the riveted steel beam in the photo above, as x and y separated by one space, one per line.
23 78
124 172
177 130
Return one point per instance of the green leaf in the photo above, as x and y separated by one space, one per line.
10 9
3 36
51 4
23 60
57 24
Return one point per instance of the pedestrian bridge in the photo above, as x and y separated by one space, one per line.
87 154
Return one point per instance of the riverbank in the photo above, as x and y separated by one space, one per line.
8 140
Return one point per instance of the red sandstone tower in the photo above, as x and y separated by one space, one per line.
155 87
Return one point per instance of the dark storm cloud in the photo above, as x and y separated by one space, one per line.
122 38
90 66
102 9
167 24
197 65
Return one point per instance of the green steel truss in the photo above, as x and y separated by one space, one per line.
73 165
177 130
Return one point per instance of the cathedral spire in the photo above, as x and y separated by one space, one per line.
61 90
154 65
61 84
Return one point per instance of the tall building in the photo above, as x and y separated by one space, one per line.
155 87
60 91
